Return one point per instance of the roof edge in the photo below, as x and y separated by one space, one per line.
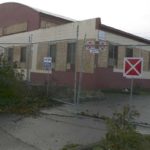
54 15
40 11
124 34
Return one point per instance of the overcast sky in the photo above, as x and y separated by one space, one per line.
129 15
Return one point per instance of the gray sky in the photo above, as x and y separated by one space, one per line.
129 15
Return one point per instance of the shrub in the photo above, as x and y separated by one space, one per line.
18 97
122 133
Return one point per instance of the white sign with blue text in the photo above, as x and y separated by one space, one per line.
47 62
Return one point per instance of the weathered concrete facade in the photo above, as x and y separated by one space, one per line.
61 56
102 70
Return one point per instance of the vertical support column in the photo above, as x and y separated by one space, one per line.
29 58
34 57
81 72
121 55
75 72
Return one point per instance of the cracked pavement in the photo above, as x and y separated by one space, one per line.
58 126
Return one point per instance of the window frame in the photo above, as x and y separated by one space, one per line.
129 52
23 54
10 53
52 52
71 53
113 55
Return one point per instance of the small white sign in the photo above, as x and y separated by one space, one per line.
94 50
47 63
102 44
102 35
90 44
47 59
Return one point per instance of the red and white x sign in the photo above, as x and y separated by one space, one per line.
133 67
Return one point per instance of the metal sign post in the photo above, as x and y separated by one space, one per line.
47 61
131 91
47 91
133 68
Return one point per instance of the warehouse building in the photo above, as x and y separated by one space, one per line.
26 42
16 18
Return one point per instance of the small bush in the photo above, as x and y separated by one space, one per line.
18 97
121 133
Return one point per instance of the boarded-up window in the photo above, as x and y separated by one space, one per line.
23 54
10 55
52 52
71 53
129 52
113 55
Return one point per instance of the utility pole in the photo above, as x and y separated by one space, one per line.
75 72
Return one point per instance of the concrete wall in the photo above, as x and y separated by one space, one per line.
84 59
16 54
103 78
1 31
121 55
103 57
48 20
61 35
61 32
15 13
145 56
117 39
61 56
16 28
12 15
138 51
46 24
41 53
